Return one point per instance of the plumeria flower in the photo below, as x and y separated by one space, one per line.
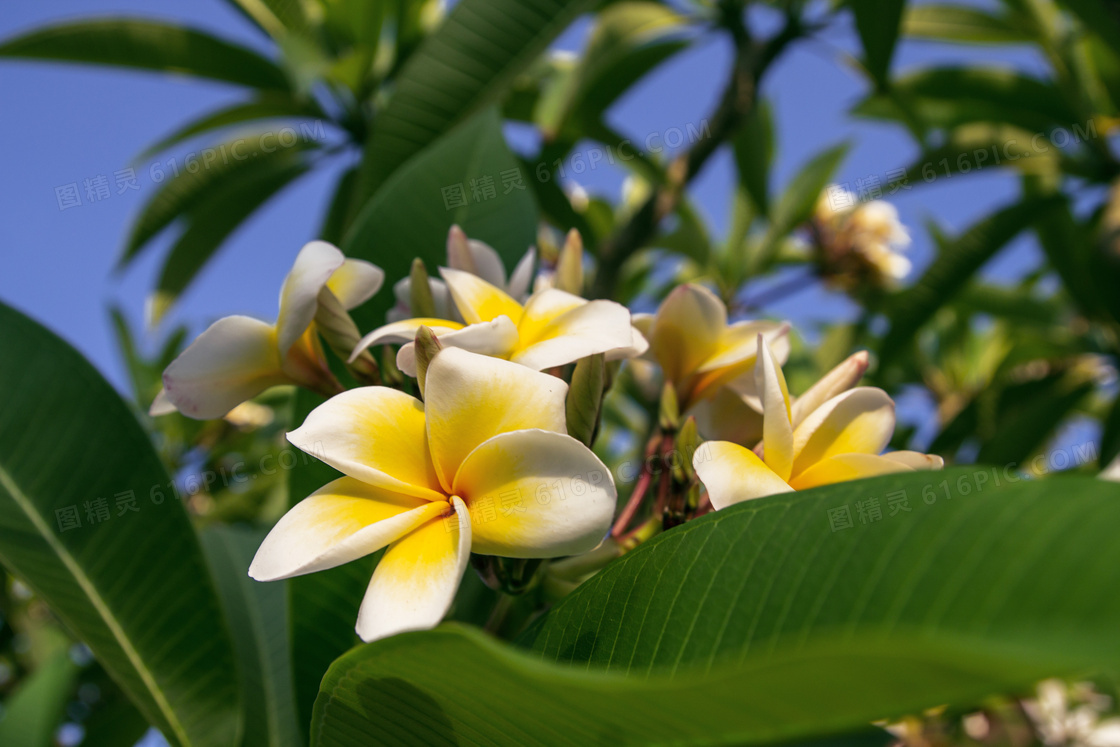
551 329
698 351
837 441
466 255
871 232
239 357
484 464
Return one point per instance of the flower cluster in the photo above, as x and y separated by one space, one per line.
859 242
482 461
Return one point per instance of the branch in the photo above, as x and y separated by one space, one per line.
736 104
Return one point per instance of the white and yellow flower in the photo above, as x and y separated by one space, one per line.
699 352
869 231
552 328
839 440
238 357
466 255
484 464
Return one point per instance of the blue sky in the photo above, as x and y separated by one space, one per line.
65 124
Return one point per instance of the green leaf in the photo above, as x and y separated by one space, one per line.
878 24
957 261
758 624
585 397
468 63
265 106
258 618
213 220
754 153
190 184
410 217
34 711
947 97
274 17
134 587
1030 414
149 45
961 23
1098 16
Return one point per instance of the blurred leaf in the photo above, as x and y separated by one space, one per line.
274 17
335 222
34 711
467 64
754 153
1110 435
956 262
947 97
149 45
186 188
806 633
961 23
1101 17
265 106
1030 413
411 215
137 591
878 24
113 720
1020 305
258 619
213 220
689 237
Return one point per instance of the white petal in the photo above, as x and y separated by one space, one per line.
396 333
342 521
497 338
355 282
299 297
859 421
417 577
234 360
536 494
638 347
374 434
777 428
161 405
593 327
522 276
478 300
733 473
487 264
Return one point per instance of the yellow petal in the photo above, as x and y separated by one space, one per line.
478 300
686 330
777 429
471 398
402 331
536 494
234 360
733 473
342 521
593 327
417 577
542 309
374 434
916 460
844 467
736 353
859 421
355 282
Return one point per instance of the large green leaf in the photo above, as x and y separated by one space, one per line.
957 261
411 215
878 22
148 45
754 153
468 63
258 617
135 586
34 711
760 624
960 23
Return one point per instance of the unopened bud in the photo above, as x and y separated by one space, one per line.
837 381
426 348
585 397
341 334
420 301
569 267
669 413
459 255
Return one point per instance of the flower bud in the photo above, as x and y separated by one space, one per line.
837 381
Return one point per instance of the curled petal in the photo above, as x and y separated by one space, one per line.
859 421
638 347
471 398
497 338
593 327
299 297
916 460
777 429
686 330
736 353
478 300
536 494
234 360
342 521
355 282
844 467
522 276
733 473
403 331
417 577
374 434
837 381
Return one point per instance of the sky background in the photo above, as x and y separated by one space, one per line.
67 123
